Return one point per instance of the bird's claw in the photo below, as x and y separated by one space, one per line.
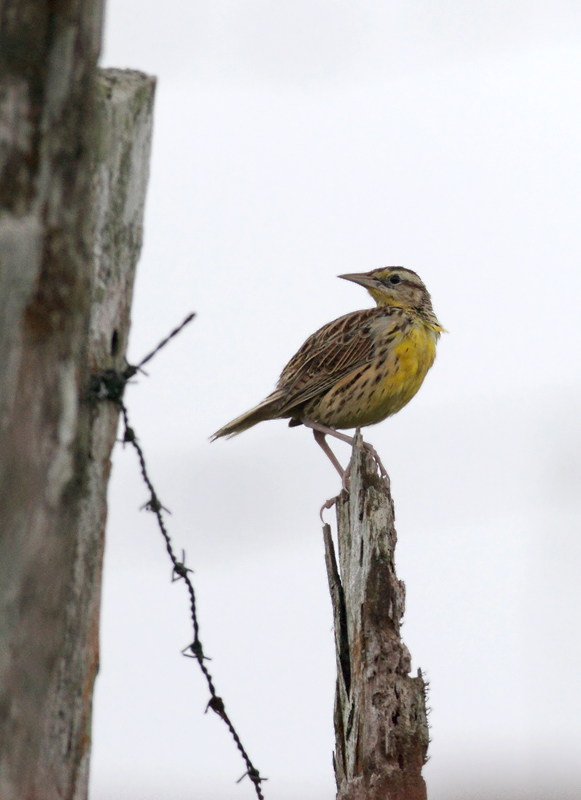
328 504
375 456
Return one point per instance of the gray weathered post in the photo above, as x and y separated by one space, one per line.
74 153
381 730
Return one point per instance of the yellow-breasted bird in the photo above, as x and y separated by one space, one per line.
358 369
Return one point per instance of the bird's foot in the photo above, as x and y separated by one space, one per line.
320 431
375 456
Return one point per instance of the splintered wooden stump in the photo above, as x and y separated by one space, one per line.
381 730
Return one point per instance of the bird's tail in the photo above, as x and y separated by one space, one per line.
268 409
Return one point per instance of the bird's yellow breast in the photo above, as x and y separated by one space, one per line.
386 384
411 359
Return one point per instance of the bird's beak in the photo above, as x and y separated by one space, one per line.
362 278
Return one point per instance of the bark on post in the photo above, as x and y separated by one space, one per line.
381 730
73 170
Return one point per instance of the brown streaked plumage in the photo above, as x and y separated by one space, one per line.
360 368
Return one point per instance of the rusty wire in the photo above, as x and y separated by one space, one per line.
109 385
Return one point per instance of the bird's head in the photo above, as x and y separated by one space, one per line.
395 286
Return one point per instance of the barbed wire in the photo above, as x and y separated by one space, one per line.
109 385
155 351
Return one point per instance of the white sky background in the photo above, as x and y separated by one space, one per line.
295 141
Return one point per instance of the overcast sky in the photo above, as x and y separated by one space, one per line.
295 141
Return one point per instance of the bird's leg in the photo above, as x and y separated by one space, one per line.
316 426
324 430
322 442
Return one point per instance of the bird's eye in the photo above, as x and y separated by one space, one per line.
395 279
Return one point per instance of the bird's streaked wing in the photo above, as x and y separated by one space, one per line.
330 354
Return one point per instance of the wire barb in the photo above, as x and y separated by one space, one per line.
197 650
180 570
109 385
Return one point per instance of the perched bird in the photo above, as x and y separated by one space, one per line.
358 369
